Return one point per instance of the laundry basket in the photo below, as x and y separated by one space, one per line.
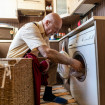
16 82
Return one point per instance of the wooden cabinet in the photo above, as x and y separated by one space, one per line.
7 32
60 7
68 7
54 45
31 5
57 45
8 10
80 6
72 5
92 1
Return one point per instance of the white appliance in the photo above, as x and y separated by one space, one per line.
82 47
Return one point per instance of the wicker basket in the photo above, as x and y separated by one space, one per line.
17 89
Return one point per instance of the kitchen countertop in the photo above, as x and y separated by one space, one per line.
59 39
85 25
5 40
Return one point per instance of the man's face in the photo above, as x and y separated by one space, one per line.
51 28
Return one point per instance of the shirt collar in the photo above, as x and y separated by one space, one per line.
40 26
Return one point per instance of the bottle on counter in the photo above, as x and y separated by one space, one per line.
60 35
47 7
63 34
53 37
50 7
57 36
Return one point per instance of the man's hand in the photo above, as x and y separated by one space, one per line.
77 65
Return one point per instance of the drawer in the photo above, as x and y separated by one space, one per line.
31 4
5 33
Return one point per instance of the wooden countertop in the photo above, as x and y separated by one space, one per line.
83 26
5 40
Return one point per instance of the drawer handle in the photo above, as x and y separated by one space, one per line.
71 45
33 0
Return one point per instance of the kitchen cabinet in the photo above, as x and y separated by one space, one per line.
67 8
72 5
57 44
92 1
7 31
60 7
80 6
8 10
54 45
31 5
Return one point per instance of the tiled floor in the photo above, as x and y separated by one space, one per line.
58 90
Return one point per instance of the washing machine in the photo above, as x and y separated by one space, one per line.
84 87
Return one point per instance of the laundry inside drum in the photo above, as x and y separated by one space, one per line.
80 75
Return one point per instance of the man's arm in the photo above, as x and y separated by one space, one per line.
57 57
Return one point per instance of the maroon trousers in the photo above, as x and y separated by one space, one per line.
38 68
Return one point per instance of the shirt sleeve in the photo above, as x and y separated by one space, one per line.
32 36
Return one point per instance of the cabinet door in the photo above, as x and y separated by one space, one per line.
31 4
60 6
54 45
72 5
8 9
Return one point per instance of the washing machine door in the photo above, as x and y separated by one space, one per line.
84 87
80 75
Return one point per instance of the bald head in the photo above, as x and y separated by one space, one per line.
54 20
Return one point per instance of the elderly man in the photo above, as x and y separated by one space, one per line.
35 36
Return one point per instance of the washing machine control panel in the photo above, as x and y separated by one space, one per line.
81 39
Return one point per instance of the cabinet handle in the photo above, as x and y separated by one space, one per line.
16 14
68 10
33 0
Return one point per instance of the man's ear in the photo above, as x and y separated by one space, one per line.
47 22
